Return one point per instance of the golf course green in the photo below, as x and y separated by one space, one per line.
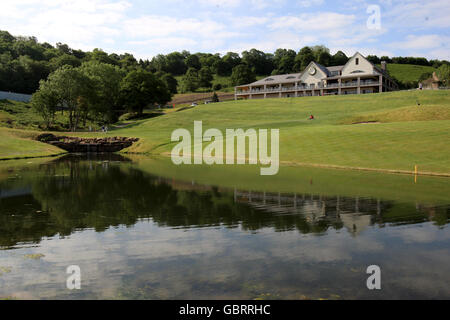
393 131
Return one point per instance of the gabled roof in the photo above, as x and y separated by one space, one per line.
378 69
335 68
282 78
318 65
291 77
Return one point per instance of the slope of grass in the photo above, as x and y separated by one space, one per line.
21 115
397 145
407 72
415 113
20 144
406 135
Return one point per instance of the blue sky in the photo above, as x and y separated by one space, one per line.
146 28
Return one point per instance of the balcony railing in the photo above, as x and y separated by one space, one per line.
311 87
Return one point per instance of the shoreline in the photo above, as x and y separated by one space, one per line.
282 163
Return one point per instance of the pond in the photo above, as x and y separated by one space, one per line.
141 228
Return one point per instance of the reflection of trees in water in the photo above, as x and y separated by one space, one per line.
69 195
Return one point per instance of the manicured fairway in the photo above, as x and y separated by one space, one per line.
19 144
401 133
388 131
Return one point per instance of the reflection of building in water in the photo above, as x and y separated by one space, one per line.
355 223
355 214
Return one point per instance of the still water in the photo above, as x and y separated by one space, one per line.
140 230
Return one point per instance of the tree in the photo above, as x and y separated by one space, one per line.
158 63
170 82
339 59
64 59
45 101
175 64
231 60
192 61
127 61
208 59
259 62
101 56
31 72
242 75
72 90
303 58
221 68
284 61
205 77
321 55
106 79
190 81
141 88
374 59
386 58
443 73
215 97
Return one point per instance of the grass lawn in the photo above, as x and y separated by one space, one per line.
404 134
408 72
21 115
19 144
388 131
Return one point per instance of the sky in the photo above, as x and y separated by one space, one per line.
146 28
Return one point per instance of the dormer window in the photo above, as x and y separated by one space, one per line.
357 61
290 77
269 79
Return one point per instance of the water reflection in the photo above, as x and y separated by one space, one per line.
74 196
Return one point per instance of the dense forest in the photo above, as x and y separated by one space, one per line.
24 62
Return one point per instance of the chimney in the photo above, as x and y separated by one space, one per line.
383 65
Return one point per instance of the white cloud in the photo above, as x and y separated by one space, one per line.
418 14
83 22
429 41
162 26
121 25
310 3
248 21
323 21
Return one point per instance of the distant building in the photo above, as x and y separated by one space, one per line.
357 76
431 83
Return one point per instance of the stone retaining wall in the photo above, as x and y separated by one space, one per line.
85 145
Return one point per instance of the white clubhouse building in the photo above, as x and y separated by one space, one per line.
357 76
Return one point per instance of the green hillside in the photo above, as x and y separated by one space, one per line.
387 131
399 133
408 72
21 115
20 144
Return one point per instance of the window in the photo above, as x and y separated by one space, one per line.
357 71
290 77
357 61
269 79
